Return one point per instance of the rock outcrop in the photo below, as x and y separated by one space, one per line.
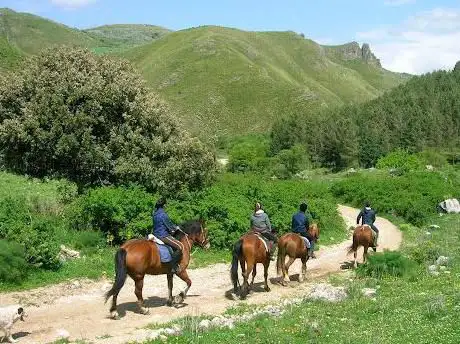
352 51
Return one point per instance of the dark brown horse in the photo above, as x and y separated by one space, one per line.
293 246
362 236
249 251
139 257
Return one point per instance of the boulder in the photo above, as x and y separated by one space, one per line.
442 260
327 292
67 254
450 206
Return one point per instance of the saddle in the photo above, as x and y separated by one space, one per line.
267 243
164 250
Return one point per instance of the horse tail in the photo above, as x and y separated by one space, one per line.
237 250
121 272
281 257
354 245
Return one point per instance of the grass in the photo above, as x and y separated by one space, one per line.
266 75
419 309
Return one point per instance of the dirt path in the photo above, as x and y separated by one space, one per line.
78 307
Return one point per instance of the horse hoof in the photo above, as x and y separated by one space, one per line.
114 315
144 311
178 299
267 289
233 296
170 303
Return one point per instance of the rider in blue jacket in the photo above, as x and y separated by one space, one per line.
300 225
164 230
367 217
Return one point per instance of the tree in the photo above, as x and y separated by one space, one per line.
91 119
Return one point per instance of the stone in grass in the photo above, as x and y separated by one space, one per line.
204 324
442 260
433 270
324 291
369 292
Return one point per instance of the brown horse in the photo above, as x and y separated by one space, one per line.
362 236
249 251
293 246
139 257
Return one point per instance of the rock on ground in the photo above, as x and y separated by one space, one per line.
324 291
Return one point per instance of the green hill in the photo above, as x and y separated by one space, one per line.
225 81
23 34
127 35
220 81
423 113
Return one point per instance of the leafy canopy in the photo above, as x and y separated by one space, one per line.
91 119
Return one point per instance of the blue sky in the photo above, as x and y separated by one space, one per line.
412 36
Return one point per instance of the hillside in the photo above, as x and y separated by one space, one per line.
220 81
23 34
423 113
127 35
226 81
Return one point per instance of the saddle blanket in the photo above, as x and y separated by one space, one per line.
268 244
306 241
164 250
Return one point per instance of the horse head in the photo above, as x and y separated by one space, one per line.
314 231
197 232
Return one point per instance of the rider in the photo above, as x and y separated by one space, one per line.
367 217
259 222
300 225
164 230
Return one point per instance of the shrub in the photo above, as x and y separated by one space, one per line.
91 119
13 265
35 233
388 263
432 157
121 212
248 154
413 196
400 160
226 206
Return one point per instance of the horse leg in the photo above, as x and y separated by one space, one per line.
183 275
304 268
266 265
170 288
365 254
254 272
245 289
139 284
355 254
286 268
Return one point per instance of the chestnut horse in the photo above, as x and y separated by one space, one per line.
139 257
249 251
293 246
362 236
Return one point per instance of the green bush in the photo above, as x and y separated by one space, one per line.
126 212
388 263
433 158
120 212
413 196
35 233
13 265
248 154
92 119
400 160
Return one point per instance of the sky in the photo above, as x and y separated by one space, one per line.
412 36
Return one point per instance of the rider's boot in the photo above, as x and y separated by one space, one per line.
176 258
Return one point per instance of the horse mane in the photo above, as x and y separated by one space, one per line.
190 227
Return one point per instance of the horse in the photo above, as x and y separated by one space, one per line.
138 257
249 251
293 245
362 236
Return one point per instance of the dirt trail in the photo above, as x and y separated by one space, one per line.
78 307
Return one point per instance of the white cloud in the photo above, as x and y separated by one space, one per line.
398 2
72 4
423 43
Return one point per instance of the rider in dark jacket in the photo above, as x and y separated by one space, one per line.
367 217
300 225
164 230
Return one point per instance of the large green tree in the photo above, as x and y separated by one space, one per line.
91 119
